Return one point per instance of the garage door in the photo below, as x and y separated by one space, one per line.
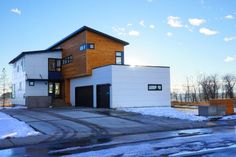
103 96
84 96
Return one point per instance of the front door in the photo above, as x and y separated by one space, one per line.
103 96
54 89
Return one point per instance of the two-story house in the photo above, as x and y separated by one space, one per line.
87 69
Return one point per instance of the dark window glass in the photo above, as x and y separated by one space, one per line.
54 64
155 87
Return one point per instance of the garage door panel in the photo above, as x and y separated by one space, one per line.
84 96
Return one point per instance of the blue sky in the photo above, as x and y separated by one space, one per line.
190 36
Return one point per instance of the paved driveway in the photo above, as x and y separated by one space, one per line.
63 124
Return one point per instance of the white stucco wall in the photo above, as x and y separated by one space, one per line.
33 65
40 88
17 78
129 85
100 76
37 64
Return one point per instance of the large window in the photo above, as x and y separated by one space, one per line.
54 64
119 57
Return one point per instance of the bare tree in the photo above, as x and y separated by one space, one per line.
229 81
210 86
3 79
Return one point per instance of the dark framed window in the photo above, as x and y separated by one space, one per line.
86 46
119 57
67 60
54 64
31 83
90 46
155 87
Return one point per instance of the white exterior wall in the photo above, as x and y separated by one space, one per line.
99 76
17 78
34 65
129 85
37 64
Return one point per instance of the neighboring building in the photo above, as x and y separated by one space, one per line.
87 69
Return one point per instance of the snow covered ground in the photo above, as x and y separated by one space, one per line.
11 127
165 112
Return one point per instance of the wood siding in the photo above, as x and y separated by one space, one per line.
71 47
84 61
104 52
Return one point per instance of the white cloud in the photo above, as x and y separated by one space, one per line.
134 33
169 34
208 32
142 23
226 39
129 24
174 21
152 26
196 22
16 11
229 59
119 30
229 17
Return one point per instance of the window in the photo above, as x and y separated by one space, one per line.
82 47
54 64
119 57
31 83
86 46
67 60
91 46
50 87
155 87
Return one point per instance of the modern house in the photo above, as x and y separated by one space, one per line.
87 68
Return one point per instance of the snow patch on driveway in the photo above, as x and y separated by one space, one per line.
11 127
165 112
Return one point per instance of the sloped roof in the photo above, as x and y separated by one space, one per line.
31 52
84 28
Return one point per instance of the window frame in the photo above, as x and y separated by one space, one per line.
121 56
31 82
155 89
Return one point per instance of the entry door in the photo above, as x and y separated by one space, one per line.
103 96
84 96
54 89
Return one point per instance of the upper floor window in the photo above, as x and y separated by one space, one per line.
86 46
67 60
120 57
54 64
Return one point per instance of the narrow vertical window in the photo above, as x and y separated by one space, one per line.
120 57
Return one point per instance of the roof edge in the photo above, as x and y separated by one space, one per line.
31 52
84 28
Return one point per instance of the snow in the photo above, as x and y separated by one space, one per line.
14 107
165 112
11 127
